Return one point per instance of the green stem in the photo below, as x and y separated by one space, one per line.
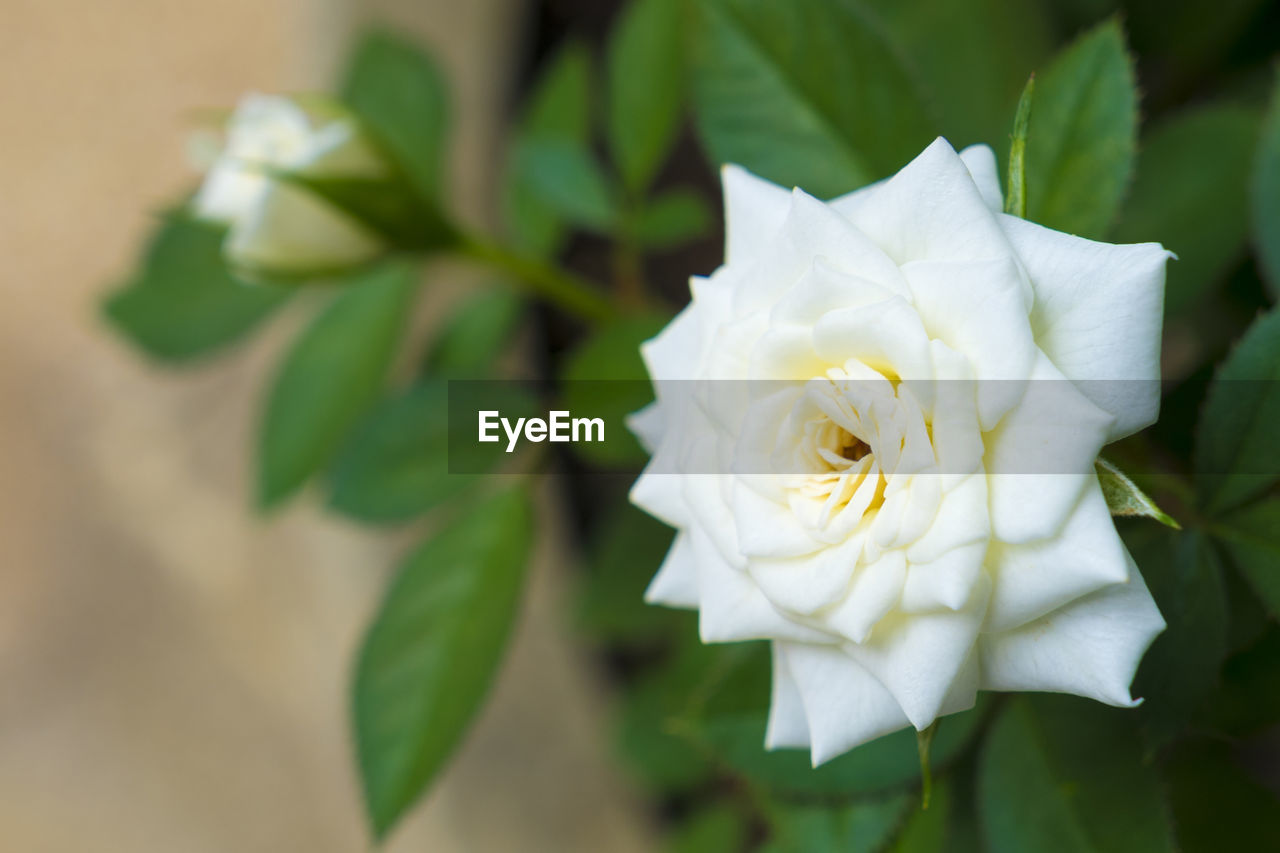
566 290
923 740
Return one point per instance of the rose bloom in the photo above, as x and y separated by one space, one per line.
885 464
278 227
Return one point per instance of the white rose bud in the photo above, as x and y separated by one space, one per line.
277 226
885 466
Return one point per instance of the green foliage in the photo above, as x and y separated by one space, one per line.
1266 195
1015 193
1190 195
626 552
1181 668
400 94
805 93
476 334
605 378
716 830
673 218
1125 498
1252 538
971 57
1066 774
1237 456
433 649
1217 805
867 824
646 88
565 177
331 374
184 303
559 109
395 465
1081 147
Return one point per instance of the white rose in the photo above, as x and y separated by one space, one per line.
277 226
901 495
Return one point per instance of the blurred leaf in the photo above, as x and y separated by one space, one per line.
627 550
864 825
1266 196
1190 195
673 218
1216 806
1125 498
331 374
565 177
395 465
973 57
1080 151
558 108
1066 774
185 303
646 87
719 829
1252 538
393 211
433 649
1181 668
926 829
476 333
805 93
400 94
1237 455
1182 38
1249 700
606 378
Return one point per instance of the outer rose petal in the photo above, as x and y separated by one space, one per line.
980 160
753 211
676 583
787 724
844 704
1097 315
1090 648
1037 578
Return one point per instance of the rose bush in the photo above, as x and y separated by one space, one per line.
278 226
906 390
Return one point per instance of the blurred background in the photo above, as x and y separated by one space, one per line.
173 671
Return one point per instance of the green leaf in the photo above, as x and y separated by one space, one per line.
557 109
972 57
1216 805
565 177
1182 666
184 303
604 377
433 649
1266 196
646 85
1237 455
1125 498
623 558
1015 198
1080 151
805 93
1248 702
400 94
719 829
476 334
331 374
1190 195
1063 774
673 218
862 825
926 828
395 465
1252 538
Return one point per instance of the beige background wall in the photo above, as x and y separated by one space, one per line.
172 670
